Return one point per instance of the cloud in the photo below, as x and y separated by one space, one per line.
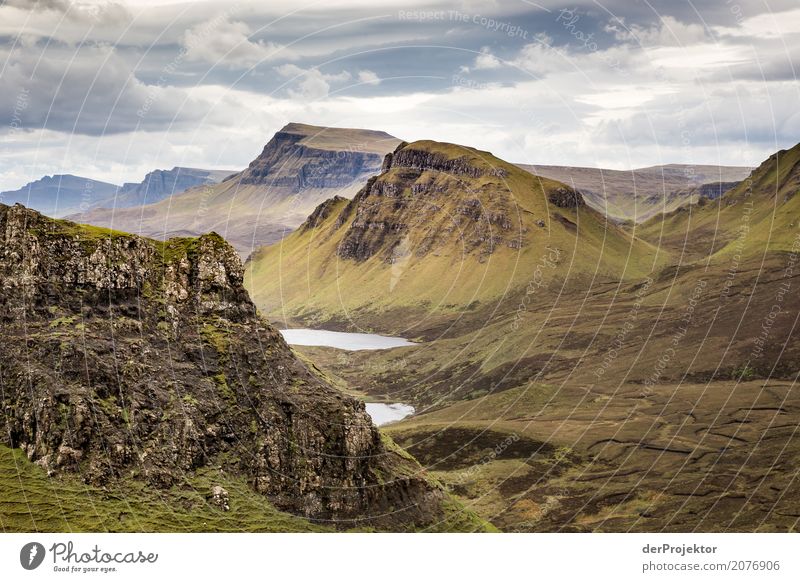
92 91
311 84
369 77
486 60
228 43
667 32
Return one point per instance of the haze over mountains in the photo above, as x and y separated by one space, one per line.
65 195
301 166
61 194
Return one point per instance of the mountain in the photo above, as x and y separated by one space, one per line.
161 184
441 228
142 366
639 194
301 166
61 194
606 382
758 216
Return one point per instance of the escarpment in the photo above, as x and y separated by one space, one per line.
128 358
297 158
429 199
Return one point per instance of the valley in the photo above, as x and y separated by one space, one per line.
589 380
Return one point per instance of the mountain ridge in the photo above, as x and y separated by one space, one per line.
296 170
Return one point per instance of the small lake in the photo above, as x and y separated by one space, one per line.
385 413
342 340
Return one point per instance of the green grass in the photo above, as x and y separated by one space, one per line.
302 277
32 502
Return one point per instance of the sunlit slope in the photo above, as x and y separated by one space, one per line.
758 216
442 227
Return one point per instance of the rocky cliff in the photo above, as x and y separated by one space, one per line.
161 184
300 167
128 358
299 157
430 196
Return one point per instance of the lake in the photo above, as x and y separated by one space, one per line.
342 340
381 413
385 413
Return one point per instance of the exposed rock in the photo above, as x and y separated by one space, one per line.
124 357
566 197
219 498
290 159
435 199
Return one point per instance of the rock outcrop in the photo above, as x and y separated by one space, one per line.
566 197
128 358
299 157
429 196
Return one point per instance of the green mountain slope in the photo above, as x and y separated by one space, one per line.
442 228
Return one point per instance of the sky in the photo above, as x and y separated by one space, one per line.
112 89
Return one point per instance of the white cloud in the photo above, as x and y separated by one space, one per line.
369 77
486 60
667 32
226 42
310 84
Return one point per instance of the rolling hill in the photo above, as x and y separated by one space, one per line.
301 166
639 194
641 384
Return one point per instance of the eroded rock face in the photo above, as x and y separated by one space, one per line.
286 162
126 358
566 197
424 201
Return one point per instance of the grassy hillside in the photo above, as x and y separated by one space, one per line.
463 229
760 215
659 399
639 194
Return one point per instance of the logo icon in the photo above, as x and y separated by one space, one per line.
31 555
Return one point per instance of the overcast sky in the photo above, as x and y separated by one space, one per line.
114 89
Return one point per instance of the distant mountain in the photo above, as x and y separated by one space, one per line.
301 166
638 194
60 195
161 184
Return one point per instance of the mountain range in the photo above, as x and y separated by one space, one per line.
65 194
636 378
617 357
301 166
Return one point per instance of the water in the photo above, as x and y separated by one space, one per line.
342 340
385 413
381 413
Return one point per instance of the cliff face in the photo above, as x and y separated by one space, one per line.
161 184
127 358
428 198
296 158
